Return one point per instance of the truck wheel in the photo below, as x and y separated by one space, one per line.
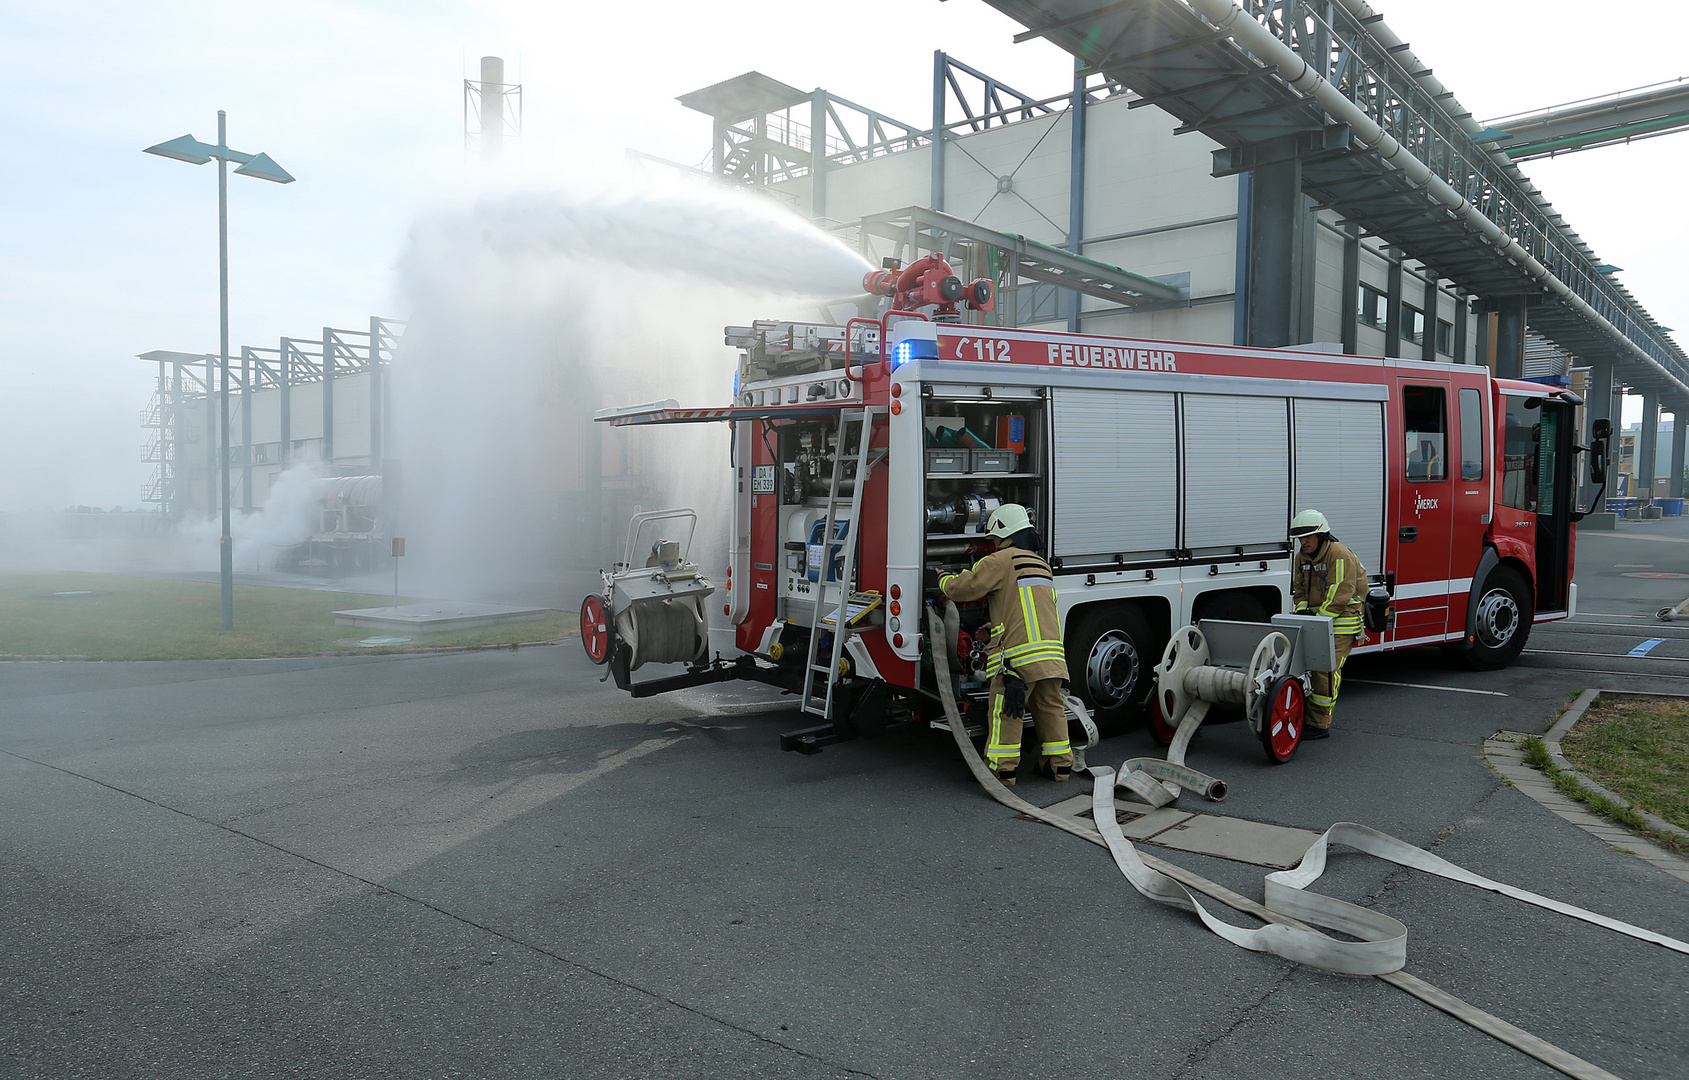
595 629
1503 621
1110 662
1159 729
1281 728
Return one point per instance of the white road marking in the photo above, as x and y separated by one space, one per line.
1583 536
1615 655
1427 686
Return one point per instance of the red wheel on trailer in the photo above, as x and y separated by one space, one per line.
1159 729
595 629
1281 733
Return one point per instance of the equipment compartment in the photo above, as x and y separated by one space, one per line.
959 501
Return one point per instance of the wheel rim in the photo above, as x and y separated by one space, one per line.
1498 618
1159 727
595 630
1283 730
1111 671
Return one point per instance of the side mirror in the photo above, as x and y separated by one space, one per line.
1602 429
1598 458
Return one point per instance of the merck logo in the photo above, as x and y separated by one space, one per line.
1420 502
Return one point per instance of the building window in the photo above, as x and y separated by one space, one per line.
1413 324
1445 337
1369 306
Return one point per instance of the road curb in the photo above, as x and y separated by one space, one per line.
1567 720
1504 755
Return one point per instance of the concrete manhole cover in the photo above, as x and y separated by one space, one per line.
377 642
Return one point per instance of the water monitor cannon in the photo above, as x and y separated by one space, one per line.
929 281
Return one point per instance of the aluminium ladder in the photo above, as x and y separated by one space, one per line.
814 701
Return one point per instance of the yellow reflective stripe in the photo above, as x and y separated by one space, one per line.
945 579
1032 654
1318 699
1053 647
995 747
1057 747
1331 593
1029 612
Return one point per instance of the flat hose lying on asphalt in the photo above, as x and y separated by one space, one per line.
1382 950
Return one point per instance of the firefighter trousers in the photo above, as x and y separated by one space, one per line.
1324 685
1009 700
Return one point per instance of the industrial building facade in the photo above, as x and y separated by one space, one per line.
321 400
1202 200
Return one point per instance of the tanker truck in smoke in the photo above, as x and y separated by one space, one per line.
347 527
1162 475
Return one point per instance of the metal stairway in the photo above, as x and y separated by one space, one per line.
820 702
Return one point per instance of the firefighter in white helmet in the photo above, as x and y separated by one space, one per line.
1328 580
1027 665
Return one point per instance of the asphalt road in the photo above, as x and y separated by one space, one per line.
492 865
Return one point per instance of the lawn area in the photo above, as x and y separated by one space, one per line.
1637 748
109 617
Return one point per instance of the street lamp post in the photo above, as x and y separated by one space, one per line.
189 149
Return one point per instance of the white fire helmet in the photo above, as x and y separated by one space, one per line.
1008 519
1307 523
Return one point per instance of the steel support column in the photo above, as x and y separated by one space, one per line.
1461 304
1393 303
328 399
1509 361
1428 349
286 365
1275 254
377 390
1240 273
211 503
175 431
1679 434
936 202
1647 443
246 429
1349 301
1075 189
818 155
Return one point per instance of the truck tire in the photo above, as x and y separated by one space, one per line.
1503 621
1111 655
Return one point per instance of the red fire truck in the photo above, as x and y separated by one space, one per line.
1162 475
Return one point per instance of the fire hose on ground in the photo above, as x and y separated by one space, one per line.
1290 912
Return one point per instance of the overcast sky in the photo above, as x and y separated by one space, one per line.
108 252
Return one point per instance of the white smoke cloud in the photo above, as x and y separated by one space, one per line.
532 311
720 236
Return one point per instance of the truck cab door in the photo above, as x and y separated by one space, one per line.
1424 506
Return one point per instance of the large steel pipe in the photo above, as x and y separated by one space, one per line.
1257 39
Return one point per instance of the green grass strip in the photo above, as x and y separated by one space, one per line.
113 617
1637 748
1536 755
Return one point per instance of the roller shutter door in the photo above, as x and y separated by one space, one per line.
1116 473
1340 472
1237 471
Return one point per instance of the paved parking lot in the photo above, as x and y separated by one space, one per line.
491 864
